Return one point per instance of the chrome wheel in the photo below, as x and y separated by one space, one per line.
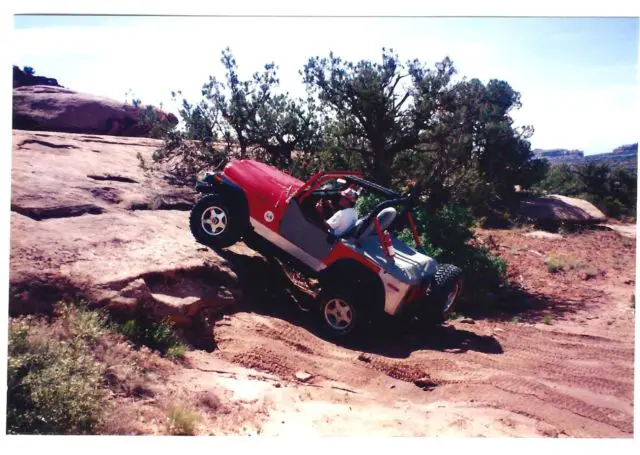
338 314
451 298
214 220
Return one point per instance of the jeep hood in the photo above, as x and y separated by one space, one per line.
255 177
408 265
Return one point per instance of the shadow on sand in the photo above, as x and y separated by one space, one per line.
269 290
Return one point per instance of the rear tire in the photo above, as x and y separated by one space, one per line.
447 286
216 223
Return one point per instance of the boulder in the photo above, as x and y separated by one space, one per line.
54 108
561 209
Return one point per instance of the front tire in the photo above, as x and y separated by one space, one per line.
341 314
447 287
216 223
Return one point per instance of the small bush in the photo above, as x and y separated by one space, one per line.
142 162
562 263
553 266
176 352
54 386
181 421
445 236
160 336
547 319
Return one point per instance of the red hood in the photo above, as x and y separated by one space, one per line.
256 177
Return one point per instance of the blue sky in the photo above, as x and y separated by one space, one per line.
578 77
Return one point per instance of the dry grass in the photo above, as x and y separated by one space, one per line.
182 421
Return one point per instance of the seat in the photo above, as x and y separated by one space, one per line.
385 219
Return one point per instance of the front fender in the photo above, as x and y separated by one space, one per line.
205 187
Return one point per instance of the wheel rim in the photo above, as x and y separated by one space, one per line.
451 298
214 220
338 314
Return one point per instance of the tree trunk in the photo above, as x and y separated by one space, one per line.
243 146
381 165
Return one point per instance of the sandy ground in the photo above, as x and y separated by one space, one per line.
561 367
552 357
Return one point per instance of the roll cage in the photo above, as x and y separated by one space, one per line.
393 199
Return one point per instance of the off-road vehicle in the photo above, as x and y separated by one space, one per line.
363 274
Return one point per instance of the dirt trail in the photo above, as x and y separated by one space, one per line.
552 356
570 377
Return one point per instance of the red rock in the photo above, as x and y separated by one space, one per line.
51 108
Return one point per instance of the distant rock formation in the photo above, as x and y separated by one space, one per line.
559 155
628 148
55 108
625 155
21 79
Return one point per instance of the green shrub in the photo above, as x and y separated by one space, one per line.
160 336
176 352
181 421
54 386
553 266
445 236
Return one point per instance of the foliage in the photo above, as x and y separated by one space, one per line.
156 126
408 125
446 135
181 421
446 236
160 336
553 266
55 385
244 119
176 351
29 71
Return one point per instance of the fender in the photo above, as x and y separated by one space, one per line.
218 183
356 274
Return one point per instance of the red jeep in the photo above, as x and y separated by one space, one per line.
363 273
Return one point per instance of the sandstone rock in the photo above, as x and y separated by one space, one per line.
543 235
58 175
20 79
303 376
556 208
54 108
117 257
625 230
123 306
137 289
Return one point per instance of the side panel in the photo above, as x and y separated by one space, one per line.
306 235
292 249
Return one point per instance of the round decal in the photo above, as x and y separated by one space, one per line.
268 216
